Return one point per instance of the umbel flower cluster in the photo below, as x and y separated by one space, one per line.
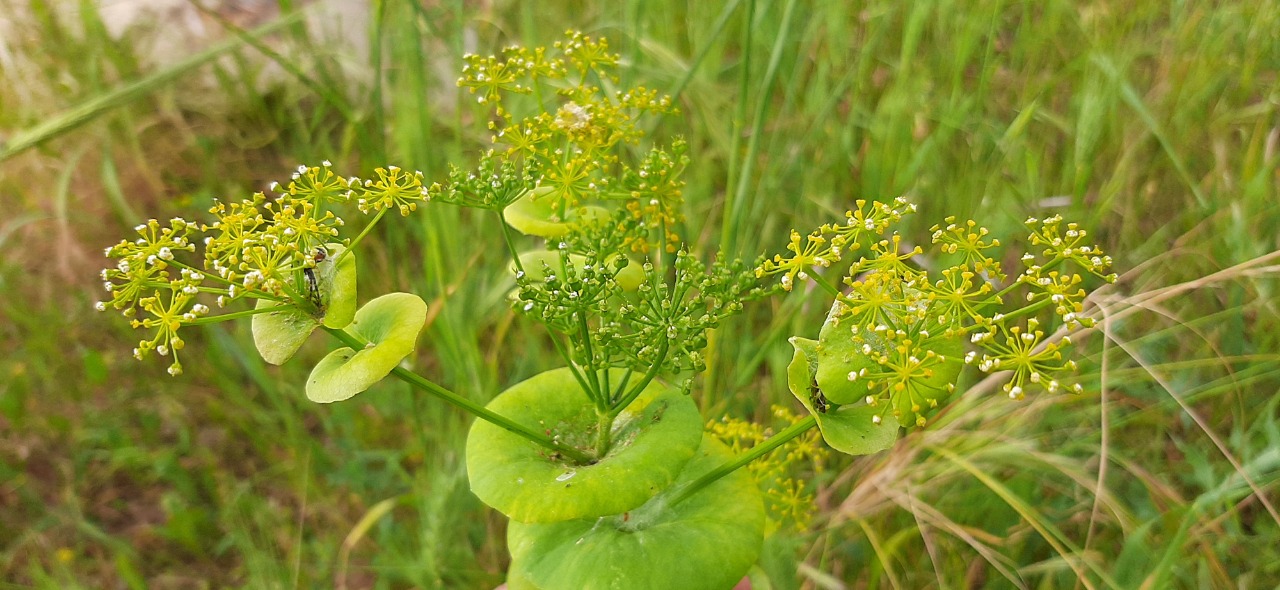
274 249
902 329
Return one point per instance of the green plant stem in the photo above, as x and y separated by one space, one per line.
1034 307
1009 289
463 403
604 423
596 394
742 460
631 396
826 285
364 232
568 361
728 235
506 237
235 315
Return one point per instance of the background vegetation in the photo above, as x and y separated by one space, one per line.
1154 124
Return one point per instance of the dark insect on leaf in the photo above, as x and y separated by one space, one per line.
313 284
816 397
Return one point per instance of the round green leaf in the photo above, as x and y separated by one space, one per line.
847 428
390 324
838 355
652 440
707 542
532 215
279 334
337 286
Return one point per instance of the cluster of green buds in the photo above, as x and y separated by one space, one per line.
279 251
896 338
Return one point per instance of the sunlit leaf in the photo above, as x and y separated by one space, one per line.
390 324
279 334
653 438
629 277
838 355
338 287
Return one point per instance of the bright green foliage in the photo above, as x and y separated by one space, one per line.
555 128
652 439
655 326
389 327
336 283
1152 125
706 542
919 371
533 216
595 462
851 429
278 334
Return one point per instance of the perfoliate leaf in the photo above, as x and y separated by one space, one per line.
847 428
707 542
390 324
338 287
839 355
652 440
279 334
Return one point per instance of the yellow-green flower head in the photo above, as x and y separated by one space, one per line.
394 188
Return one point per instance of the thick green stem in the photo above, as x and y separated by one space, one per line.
463 403
604 434
756 452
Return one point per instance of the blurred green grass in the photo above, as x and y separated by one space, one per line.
1153 124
